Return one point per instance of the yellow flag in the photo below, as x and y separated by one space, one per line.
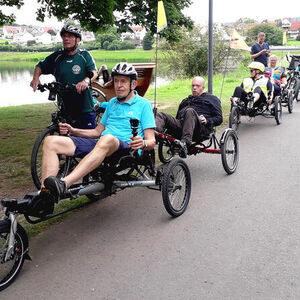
236 42
284 38
161 17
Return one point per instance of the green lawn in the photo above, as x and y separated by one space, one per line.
99 55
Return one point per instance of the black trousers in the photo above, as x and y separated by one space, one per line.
188 129
239 92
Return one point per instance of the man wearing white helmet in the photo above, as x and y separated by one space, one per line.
71 66
258 84
113 134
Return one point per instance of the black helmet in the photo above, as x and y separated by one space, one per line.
125 69
71 29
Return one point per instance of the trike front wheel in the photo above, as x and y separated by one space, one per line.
234 118
10 268
176 187
277 109
165 151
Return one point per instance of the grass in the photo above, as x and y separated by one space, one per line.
20 125
99 55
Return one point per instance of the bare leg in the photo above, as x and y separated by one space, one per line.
53 146
106 146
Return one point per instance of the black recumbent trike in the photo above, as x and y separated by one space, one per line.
242 108
114 174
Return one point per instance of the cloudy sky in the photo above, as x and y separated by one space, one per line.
223 11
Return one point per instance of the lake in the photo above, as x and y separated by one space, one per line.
15 78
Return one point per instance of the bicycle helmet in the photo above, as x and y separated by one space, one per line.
257 66
125 69
71 29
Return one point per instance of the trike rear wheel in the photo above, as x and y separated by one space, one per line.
176 187
229 151
165 151
36 157
10 268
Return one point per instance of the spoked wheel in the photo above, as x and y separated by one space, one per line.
290 100
165 151
278 109
36 157
229 151
100 97
10 268
176 187
234 118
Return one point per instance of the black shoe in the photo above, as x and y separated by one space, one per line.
56 187
182 148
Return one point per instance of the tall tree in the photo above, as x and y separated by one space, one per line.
95 15
9 18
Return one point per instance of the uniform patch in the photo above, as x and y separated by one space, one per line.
76 69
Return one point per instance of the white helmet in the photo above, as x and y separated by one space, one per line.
125 69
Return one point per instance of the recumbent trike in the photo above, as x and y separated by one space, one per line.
114 174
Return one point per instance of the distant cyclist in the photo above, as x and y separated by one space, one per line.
72 66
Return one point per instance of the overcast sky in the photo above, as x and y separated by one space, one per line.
223 11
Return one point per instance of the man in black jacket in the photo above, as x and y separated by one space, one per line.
195 117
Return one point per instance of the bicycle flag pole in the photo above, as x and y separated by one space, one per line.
236 42
283 43
161 25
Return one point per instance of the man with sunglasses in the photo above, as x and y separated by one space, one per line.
258 84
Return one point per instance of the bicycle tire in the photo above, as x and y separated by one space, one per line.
234 118
10 269
290 100
176 187
36 157
229 151
278 109
165 151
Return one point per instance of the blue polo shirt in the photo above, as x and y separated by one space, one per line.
263 58
116 118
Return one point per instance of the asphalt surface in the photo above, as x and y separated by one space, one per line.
238 239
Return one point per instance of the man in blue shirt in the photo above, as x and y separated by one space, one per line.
260 50
114 131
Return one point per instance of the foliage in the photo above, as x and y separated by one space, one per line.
96 15
189 57
272 32
9 18
148 41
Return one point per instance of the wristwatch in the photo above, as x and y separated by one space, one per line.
145 144
87 81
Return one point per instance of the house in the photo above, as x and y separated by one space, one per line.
137 35
22 37
294 30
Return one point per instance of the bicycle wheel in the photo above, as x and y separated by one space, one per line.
290 100
176 187
229 151
165 151
10 268
36 157
100 97
234 118
278 109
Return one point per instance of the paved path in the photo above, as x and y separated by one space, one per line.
239 238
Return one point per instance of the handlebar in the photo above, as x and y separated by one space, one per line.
55 88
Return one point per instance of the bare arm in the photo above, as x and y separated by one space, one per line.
258 54
95 133
83 85
36 78
149 140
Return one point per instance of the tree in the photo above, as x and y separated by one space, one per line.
95 15
148 41
9 18
272 32
189 57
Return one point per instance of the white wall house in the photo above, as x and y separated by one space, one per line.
22 37
44 38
